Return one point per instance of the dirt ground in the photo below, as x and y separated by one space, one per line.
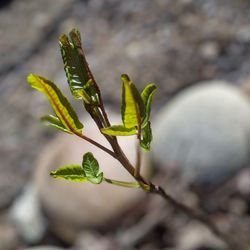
172 43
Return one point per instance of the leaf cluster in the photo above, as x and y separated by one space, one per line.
88 171
135 110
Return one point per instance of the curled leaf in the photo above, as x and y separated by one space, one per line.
146 137
147 96
58 101
76 67
132 104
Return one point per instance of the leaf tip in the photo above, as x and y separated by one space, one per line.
63 39
125 78
30 77
52 173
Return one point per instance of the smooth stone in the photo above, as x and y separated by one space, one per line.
73 206
204 132
26 215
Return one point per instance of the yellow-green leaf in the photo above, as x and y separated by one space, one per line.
53 121
147 96
73 173
146 187
58 101
132 105
119 130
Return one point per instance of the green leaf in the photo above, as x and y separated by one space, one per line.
138 99
123 183
146 137
96 180
59 103
90 88
119 130
90 165
73 173
53 121
132 104
91 168
128 184
147 96
76 67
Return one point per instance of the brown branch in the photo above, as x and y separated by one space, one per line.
138 150
138 160
154 189
102 120
97 145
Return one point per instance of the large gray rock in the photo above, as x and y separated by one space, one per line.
73 206
204 132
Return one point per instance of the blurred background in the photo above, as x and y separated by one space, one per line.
198 54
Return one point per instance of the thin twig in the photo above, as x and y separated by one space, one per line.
194 214
197 215
105 116
138 147
138 160
138 150
97 145
118 154
137 232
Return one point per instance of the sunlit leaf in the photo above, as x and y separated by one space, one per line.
146 187
147 96
53 121
73 173
123 183
119 130
58 101
146 137
138 99
132 105
76 67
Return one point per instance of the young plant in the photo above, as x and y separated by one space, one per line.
135 113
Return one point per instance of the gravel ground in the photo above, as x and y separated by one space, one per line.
172 43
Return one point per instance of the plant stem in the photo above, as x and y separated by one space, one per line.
138 150
118 154
197 215
154 189
97 145
105 116
138 160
